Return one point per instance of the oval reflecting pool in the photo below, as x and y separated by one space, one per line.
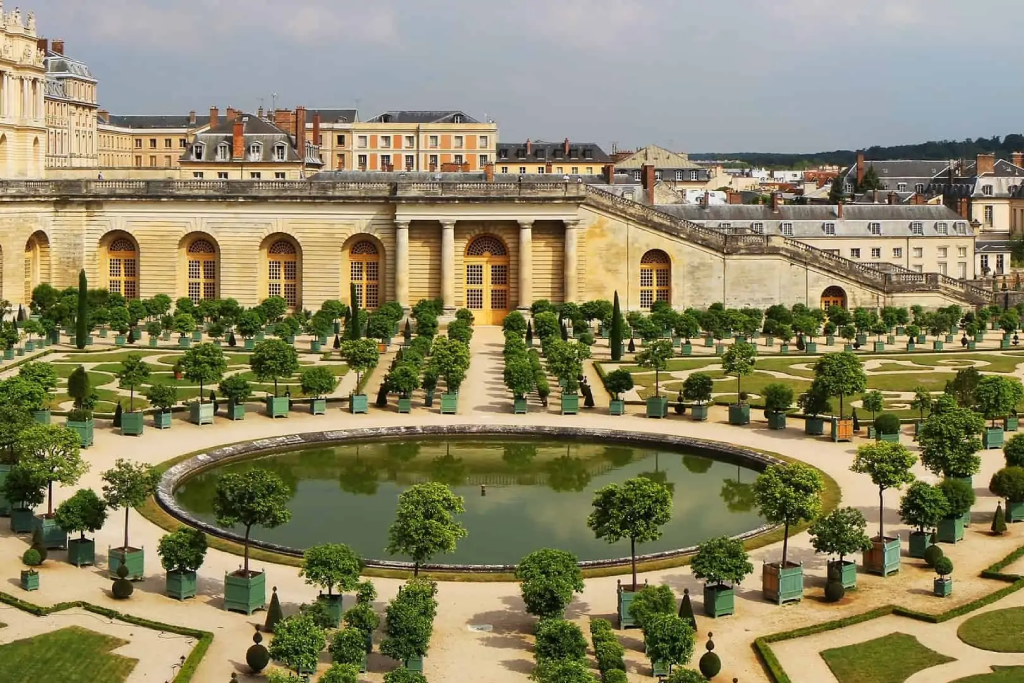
520 495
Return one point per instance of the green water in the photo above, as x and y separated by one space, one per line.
538 494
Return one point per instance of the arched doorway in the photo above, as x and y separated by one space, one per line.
37 262
122 255
201 260
364 273
655 278
283 271
487 292
833 296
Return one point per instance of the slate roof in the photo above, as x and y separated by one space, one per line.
59 64
402 116
147 121
993 246
333 115
659 157
254 129
542 152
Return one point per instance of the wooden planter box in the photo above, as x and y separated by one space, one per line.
814 426
357 403
699 413
862 338
162 419
414 664
661 670
776 420
81 552
41 417
1011 423
334 607
992 437
84 431
450 403
783 349
811 347
315 346
920 541
782 584
318 406
245 593
911 346
570 404
739 414
277 406
134 560
200 413
54 538
878 346
830 340
842 429
884 557
719 349
29 580
942 588
132 423
1004 343
657 407
405 405
719 600
616 407
22 521
979 336
686 349
891 438
236 411
120 340
1014 511
181 585
8 354
972 345
950 530
845 572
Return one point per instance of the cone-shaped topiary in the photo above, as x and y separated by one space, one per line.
122 588
932 555
257 656
710 664
31 558
38 545
686 610
632 346
999 521
117 415
274 613
834 591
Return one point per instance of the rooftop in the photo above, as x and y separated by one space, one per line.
405 116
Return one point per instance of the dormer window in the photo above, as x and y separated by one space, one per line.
457 118
830 229
917 228
197 151
919 188
942 228
961 227
385 118
875 228
636 176
255 151
986 190
280 152
503 154
223 152
540 153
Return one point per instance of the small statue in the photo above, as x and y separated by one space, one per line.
32 21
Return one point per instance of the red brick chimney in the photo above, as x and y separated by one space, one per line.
489 173
238 140
300 131
43 44
734 197
776 200
57 46
839 211
706 199
986 163
892 198
529 147
647 180
609 173
1017 159
103 115
860 167
316 128
565 147
214 117
192 118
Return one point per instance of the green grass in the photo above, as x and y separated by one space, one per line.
70 655
1000 630
890 659
116 357
1000 674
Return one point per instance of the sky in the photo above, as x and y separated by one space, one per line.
693 76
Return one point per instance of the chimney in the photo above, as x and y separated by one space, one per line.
860 167
1017 159
529 147
316 129
489 173
565 147
776 200
734 197
892 198
839 211
547 168
58 46
214 117
647 180
103 115
259 112
43 44
238 140
706 201
300 131
986 163
192 118
233 114
609 173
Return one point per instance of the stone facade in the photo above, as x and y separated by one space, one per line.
22 89
71 139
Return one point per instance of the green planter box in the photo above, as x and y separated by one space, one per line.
570 404
919 542
884 557
184 342
84 431
162 420
657 407
166 336
686 350
250 344
814 426
200 413
1004 343
811 347
862 339
318 406
708 342
137 334
616 407
891 438
322 339
937 345
719 349
277 406
290 339
245 593
21 351
82 552
942 588
41 417
450 404
845 571
878 346
414 664
949 339
236 411
5 507
830 340
699 413
29 580
950 530
134 560
22 521
911 346
132 423
315 346
661 670
54 538
1014 511
739 414
153 342
8 354
181 585
197 335
972 345
120 340
782 584
357 403
1011 423
783 349
334 607
776 420
719 600
30 346
103 333
54 337
625 600
260 336
979 336
992 437
518 405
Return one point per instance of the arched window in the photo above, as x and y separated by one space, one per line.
364 272
283 272
655 278
202 270
123 268
487 279
833 296
37 262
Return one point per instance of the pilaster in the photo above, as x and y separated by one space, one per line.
571 284
525 264
448 264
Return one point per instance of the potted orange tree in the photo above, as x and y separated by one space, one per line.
841 532
842 375
719 560
888 464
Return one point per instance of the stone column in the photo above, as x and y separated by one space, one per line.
448 264
402 263
525 264
571 285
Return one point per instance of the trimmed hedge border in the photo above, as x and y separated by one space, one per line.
762 644
188 669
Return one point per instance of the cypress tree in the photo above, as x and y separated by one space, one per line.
82 322
529 333
117 415
615 336
999 521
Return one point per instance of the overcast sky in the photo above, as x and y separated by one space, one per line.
747 75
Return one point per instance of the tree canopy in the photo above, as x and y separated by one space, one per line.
788 494
425 523
257 497
549 579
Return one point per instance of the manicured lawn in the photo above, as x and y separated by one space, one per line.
890 659
114 357
70 655
1000 630
1000 674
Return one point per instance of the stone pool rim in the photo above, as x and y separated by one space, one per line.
220 455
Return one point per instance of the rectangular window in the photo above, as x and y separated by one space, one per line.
961 252
679 175
138 160
362 162
787 229
897 252
168 162
410 162
152 162
385 142
255 175
433 162
341 162
182 143
984 262
901 187
1000 263
504 169
917 228
482 142
484 159
855 253
457 142
918 268
341 140
278 175
222 175
875 228
830 229
942 252
540 170
918 252
590 170
943 269
575 170
361 142
198 175
410 141
876 252
432 141
961 270
758 228
138 143
167 143
152 143
989 216
942 228
694 175
385 162
522 170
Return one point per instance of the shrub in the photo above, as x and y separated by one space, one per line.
558 639
348 646
697 388
618 382
1008 483
652 600
31 558
341 673
1014 451
959 495
615 676
778 397
943 566
514 322
887 423
933 554
257 656
834 591
122 588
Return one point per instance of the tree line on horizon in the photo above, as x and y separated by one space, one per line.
940 150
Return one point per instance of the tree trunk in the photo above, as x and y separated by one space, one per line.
49 499
881 510
785 544
275 387
656 394
632 556
248 528
131 400
126 509
738 399
415 569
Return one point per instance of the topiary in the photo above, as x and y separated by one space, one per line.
887 423
943 566
38 545
31 558
257 656
998 527
834 591
274 613
710 664
122 588
933 554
